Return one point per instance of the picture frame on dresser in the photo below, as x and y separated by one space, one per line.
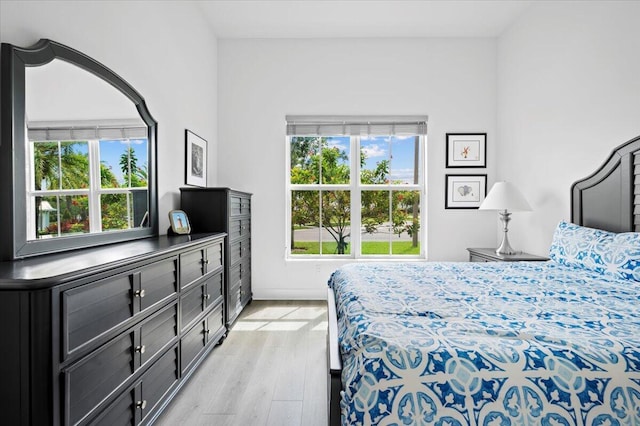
179 222
196 159
466 150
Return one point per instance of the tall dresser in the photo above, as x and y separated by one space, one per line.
107 335
229 211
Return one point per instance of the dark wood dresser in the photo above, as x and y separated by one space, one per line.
108 335
229 211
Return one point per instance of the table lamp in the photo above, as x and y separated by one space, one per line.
505 198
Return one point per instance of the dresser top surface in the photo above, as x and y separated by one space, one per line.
54 269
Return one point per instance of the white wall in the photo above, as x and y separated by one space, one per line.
555 93
163 49
261 81
568 93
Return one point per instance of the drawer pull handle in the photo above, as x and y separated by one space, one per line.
205 262
207 332
139 293
141 349
141 404
206 296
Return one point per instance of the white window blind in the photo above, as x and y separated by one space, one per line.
85 133
299 125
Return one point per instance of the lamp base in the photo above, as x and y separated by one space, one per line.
505 247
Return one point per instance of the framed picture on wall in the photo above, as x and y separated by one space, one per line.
466 150
465 191
196 155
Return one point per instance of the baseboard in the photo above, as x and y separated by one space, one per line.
289 294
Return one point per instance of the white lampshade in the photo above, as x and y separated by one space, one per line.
505 196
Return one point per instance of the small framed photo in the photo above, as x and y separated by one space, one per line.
179 222
196 168
466 150
465 191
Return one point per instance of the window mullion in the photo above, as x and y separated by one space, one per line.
95 216
59 165
319 140
320 221
129 194
390 204
31 209
423 195
63 193
390 196
320 189
356 198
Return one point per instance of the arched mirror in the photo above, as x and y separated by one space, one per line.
77 154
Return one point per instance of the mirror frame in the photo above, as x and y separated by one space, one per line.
13 230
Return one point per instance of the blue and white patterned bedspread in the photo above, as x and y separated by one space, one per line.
521 343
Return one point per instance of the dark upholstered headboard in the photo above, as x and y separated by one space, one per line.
609 199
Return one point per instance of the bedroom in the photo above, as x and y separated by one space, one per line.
556 89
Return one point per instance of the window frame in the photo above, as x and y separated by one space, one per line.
93 192
356 187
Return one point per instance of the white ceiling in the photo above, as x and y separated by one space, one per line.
360 18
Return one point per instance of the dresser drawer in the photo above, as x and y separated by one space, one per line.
234 302
121 412
139 402
91 380
91 310
96 376
474 258
203 333
192 267
239 289
239 205
198 299
214 257
215 324
196 263
239 250
156 383
239 227
245 284
156 333
158 281
240 273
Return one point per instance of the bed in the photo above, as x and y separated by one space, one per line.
514 343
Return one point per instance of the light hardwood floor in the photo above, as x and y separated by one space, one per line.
270 370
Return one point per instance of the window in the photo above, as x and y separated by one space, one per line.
82 185
355 186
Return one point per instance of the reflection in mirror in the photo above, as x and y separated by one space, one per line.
88 154
77 159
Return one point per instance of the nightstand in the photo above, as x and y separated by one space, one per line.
489 255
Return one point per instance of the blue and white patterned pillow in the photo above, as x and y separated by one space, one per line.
616 255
